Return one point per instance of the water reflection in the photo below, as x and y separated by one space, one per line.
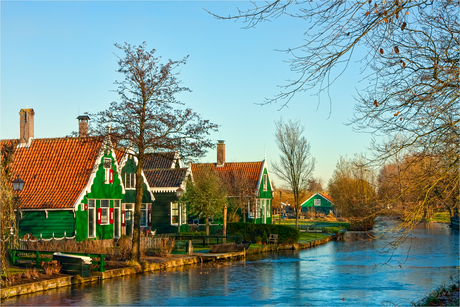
352 272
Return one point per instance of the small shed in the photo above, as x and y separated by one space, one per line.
318 203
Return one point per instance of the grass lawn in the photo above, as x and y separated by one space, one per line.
443 217
306 237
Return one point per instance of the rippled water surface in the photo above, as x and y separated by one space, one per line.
353 272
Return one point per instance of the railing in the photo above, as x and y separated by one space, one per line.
207 240
18 254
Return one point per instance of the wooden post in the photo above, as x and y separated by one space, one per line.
224 232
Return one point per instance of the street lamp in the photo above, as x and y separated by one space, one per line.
18 185
179 194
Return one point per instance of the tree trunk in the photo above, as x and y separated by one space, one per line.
136 243
224 232
207 230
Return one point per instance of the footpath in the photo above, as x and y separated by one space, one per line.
150 264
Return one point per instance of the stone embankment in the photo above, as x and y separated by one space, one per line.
150 264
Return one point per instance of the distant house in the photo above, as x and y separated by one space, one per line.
72 187
318 203
257 186
165 175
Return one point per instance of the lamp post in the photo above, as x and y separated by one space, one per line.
179 194
18 185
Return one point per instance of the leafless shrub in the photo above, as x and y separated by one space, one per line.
52 267
162 246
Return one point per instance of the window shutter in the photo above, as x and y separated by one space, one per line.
123 218
111 176
111 215
98 215
86 207
149 215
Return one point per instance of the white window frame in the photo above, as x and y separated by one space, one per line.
171 208
317 202
105 212
107 167
117 222
92 207
265 182
131 179
250 212
144 212
269 207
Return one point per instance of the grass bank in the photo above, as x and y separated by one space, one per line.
444 295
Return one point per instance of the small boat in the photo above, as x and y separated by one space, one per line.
454 222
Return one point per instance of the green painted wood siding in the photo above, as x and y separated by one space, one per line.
130 167
58 222
99 190
161 213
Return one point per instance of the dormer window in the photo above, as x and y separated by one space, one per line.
130 181
108 170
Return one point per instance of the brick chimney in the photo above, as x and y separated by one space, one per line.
220 153
26 125
83 126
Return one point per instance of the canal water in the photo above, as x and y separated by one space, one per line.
353 272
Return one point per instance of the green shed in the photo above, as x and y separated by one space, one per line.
318 203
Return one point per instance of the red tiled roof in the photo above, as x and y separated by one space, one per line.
165 178
326 196
55 170
159 160
231 171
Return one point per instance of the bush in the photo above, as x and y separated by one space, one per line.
258 240
286 234
52 267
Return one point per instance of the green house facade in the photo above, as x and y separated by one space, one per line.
318 203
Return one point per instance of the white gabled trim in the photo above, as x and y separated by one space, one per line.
130 151
261 176
87 189
314 196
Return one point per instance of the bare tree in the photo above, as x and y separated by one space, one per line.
149 118
409 52
352 188
296 163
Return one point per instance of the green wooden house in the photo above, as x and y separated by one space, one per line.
318 203
72 187
127 169
249 184
165 175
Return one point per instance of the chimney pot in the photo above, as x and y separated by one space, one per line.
26 125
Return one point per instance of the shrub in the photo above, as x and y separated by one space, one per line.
163 246
286 234
52 267
258 240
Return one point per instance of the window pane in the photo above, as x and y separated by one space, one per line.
104 203
104 216
91 203
107 163
143 218
116 203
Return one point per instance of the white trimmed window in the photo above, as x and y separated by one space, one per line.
130 181
107 168
143 215
174 213
265 182
105 211
250 211
317 202
268 207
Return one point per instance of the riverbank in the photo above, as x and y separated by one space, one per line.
151 264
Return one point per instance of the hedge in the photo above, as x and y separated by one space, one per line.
286 234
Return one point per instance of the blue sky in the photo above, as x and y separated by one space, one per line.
58 58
